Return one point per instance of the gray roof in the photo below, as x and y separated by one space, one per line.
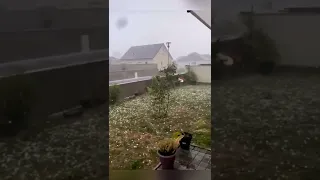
194 58
147 52
111 58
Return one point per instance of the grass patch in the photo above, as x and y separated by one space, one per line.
202 133
136 164
134 134
202 139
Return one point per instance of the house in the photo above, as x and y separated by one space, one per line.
193 59
148 54
112 60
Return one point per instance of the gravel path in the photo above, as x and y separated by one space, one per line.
266 127
71 151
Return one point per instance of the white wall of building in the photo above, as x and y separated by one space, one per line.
138 61
161 59
203 73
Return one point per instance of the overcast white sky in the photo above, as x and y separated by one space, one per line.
141 22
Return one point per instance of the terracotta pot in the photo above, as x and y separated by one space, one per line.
167 162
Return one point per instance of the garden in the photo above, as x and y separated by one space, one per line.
137 126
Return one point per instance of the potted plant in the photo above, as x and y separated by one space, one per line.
167 153
184 139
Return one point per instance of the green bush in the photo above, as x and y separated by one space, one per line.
264 47
169 74
114 94
190 77
159 92
263 50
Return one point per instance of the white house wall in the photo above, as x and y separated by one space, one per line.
138 61
295 36
162 58
126 71
203 73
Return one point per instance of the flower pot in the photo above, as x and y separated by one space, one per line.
167 162
186 141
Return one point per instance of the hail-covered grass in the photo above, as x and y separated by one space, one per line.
75 150
133 133
267 127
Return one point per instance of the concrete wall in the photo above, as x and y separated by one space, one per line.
295 36
125 71
59 89
203 73
129 89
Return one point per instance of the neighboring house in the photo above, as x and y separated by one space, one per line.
148 54
112 60
193 59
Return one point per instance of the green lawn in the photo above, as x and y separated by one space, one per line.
134 134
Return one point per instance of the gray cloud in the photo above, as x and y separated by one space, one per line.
122 22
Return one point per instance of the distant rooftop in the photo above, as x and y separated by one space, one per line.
142 52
